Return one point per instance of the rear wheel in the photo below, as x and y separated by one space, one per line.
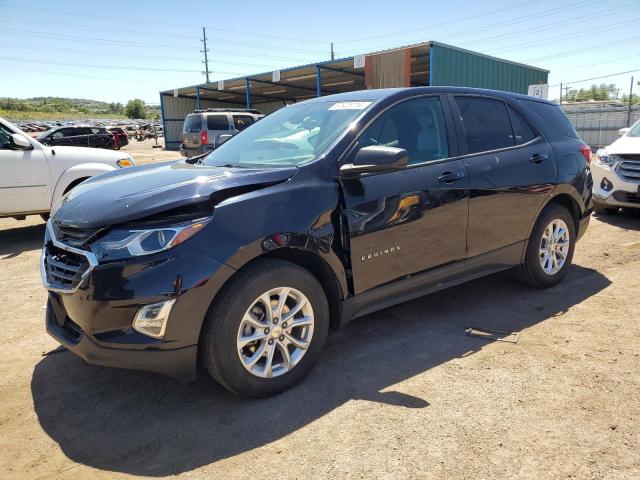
550 248
266 330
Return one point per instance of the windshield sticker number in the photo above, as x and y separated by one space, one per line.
349 106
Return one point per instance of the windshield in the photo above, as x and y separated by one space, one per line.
634 131
44 135
290 136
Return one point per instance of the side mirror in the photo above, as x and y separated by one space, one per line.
222 138
376 159
18 142
623 131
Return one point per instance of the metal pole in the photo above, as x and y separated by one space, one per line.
560 93
197 98
333 56
630 102
318 82
248 92
206 50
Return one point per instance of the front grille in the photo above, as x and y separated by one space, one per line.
629 170
74 237
64 269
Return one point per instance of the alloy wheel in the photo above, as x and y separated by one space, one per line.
554 246
275 332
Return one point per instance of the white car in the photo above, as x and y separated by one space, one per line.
33 177
616 173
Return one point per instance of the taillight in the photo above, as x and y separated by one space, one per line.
585 150
204 139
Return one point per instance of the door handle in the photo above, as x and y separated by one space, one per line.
538 158
450 177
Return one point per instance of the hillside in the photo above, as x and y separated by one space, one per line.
57 108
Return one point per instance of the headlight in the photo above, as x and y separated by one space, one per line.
132 242
605 159
126 162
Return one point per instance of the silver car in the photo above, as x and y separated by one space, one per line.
204 130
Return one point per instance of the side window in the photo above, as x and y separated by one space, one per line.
82 131
217 122
416 125
240 122
5 135
522 131
486 123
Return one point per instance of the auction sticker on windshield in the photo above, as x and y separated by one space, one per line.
349 105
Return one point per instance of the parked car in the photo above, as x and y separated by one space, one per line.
204 130
120 138
77 136
616 173
34 176
323 211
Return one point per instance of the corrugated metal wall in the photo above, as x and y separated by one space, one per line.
459 68
598 126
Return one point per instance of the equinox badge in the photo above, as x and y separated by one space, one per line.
379 253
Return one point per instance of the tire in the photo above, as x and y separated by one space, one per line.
602 210
222 337
531 271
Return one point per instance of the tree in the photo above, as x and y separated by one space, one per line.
135 109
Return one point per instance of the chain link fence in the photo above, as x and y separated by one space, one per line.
598 124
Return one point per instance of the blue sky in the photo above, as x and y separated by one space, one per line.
115 51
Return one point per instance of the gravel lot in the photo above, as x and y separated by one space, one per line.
402 393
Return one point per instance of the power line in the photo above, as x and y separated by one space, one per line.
81 39
138 22
143 34
437 24
595 78
598 46
110 67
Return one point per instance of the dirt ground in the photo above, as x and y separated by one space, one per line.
402 393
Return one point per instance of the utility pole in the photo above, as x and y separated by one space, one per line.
333 56
630 103
567 89
560 94
205 51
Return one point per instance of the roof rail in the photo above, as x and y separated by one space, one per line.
248 110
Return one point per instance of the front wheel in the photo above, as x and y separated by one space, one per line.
550 248
266 330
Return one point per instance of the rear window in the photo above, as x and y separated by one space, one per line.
240 122
217 122
192 123
554 115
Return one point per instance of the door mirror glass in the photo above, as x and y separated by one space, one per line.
623 131
222 138
376 159
18 142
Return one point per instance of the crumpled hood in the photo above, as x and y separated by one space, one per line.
138 192
624 146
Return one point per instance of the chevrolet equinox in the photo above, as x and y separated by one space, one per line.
242 259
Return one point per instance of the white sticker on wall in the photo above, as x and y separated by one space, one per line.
539 91
220 84
358 61
349 105
175 93
275 76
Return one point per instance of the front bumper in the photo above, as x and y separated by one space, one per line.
610 190
179 363
93 317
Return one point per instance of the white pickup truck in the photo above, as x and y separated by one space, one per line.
33 177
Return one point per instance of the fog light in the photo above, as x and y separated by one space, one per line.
151 320
606 184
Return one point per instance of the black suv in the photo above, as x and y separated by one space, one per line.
78 136
326 210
